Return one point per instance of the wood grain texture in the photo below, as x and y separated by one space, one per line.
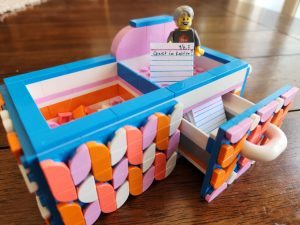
58 32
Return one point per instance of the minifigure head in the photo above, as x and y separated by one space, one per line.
183 16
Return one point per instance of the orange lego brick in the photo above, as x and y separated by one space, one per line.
134 145
162 135
1 101
160 164
286 110
101 161
265 125
14 144
124 93
64 117
276 120
243 161
135 178
71 213
107 197
264 141
46 113
228 153
79 112
255 135
59 180
220 176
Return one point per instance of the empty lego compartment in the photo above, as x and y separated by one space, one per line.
203 121
74 95
141 66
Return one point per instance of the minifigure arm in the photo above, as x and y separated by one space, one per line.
171 38
198 50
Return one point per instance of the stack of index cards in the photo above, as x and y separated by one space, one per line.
171 62
208 116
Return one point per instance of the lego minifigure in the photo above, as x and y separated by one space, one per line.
183 17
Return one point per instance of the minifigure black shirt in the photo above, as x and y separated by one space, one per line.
180 36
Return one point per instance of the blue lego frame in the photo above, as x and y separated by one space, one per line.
40 142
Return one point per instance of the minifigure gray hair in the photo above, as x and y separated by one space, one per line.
182 10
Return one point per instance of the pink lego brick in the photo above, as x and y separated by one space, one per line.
148 178
173 143
235 133
149 131
80 165
215 193
92 213
289 95
267 111
120 173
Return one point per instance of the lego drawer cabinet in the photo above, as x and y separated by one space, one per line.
89 133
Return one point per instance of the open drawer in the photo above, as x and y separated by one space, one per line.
250 132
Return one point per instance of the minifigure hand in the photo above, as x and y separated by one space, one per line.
199 51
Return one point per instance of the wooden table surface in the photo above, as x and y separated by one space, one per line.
59 32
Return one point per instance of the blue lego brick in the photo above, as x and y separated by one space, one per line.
139 82
245 81
142 103
210 144
207 77
36 76
150 21
60 70
27 147
101 134
229 68
90 63
211 165
217 56
28 112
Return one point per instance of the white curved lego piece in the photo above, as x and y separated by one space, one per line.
8 125
148 157
280 104
122 194
4 114
87 190
171 163
118 146
175 118
255 121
